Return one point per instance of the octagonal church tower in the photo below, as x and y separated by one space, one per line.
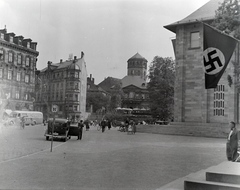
137 66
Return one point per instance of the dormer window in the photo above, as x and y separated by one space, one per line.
28 44
11 39
2 36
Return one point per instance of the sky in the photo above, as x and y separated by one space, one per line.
109 32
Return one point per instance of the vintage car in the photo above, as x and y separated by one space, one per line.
57 129
74 131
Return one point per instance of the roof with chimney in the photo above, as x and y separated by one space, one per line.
74 64
137 56
204 13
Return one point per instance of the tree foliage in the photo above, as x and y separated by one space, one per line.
161 87
97 100
227 18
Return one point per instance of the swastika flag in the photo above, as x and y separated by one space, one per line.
217 52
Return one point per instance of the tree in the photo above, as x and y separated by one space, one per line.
97 100
161 87
227 18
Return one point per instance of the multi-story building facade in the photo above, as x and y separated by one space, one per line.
63 84
18 58
194 103
134 85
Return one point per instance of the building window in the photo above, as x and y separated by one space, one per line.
218 103
18 76
76 97
9 75
11 39
17 95
19 59
1 73
27 61
195 39
75 108
26 96
1 54
131 95
76 75
27 78
28 44
2 36
76 86
10 57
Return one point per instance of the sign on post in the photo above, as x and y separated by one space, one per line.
54 108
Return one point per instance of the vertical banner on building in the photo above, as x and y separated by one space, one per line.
217 52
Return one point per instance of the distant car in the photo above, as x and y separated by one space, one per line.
57 129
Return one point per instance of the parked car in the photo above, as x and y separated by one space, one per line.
57 129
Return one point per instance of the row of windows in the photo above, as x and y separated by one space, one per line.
218 112
16 95
59 96
60 75
137 63
58 86
20 58
132 95
18 76
218 101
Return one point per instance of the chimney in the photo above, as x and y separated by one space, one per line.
82 54
49 64
93 80
60 60
75 57
90 77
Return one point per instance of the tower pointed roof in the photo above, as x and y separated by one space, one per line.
137 56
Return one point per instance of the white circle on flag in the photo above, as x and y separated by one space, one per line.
214 61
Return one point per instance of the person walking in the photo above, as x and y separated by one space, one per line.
80 128
23 122
103 125
109 124
87 125
232 143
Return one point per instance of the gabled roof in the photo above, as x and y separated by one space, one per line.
110 84
204 13
137 56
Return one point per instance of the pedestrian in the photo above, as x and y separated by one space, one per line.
87 125
23 122
103 125
232 143
109 124
80 128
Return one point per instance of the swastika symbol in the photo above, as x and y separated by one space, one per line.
213 60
